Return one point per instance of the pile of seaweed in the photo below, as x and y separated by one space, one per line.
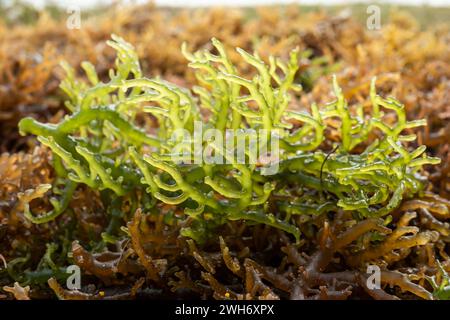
129 245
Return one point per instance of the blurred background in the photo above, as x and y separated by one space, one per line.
194 3
425 11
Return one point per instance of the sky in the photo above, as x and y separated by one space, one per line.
194 3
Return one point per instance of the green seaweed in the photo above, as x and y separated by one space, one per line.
100 144
441 291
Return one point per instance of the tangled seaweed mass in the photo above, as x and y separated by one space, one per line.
361 179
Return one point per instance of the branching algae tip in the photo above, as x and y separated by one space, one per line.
101 145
